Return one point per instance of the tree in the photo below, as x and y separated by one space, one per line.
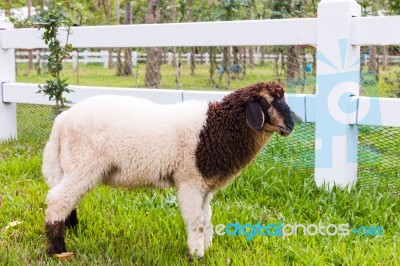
173 16
229 11
127 69
249 15
30 55
107 11
60 14
124 69
153 60
284 9
371 8
192 49
118 21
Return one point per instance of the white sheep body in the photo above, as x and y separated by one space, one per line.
198 147
148 141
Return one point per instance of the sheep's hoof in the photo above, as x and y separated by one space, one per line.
72 220
64 255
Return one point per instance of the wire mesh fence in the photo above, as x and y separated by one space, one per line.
228 68
200 68
379 157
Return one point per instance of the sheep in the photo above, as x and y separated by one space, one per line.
197 147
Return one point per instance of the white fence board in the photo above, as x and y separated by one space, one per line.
204 95
26 93
302 104
310 108
375 30
385 113
297 103
223 33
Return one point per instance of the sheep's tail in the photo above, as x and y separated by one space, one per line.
51 167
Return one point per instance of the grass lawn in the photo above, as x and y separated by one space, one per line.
94 74
144 226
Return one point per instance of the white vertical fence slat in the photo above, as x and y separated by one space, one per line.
338 74
8 111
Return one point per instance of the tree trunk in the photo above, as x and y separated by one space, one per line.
30 54
7 9
362 59
178 72
127 70
192 49
117 15
251 57
276 65
372 63
235 51
236 63
314 63
245 51
303 70
153 62
213 65
192 60
262 52
293 63
249 17
119 63
173 15
117 19
226 62
283 62
385 57
107 11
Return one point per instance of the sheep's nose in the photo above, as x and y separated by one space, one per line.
285 130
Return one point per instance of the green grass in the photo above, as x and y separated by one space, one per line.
94 74
144 226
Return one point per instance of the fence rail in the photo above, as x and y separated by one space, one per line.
250 32
336 108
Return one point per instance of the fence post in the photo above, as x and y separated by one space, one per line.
206 58
8 111
338 76
134 58
104 58
86 57
188 58
75 59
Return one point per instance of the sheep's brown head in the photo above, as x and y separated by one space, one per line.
266 108
238 127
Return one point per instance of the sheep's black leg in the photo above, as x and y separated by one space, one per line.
55 235
72 219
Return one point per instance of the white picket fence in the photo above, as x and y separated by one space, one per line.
336 108
102 57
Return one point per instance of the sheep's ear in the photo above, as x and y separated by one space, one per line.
254 115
